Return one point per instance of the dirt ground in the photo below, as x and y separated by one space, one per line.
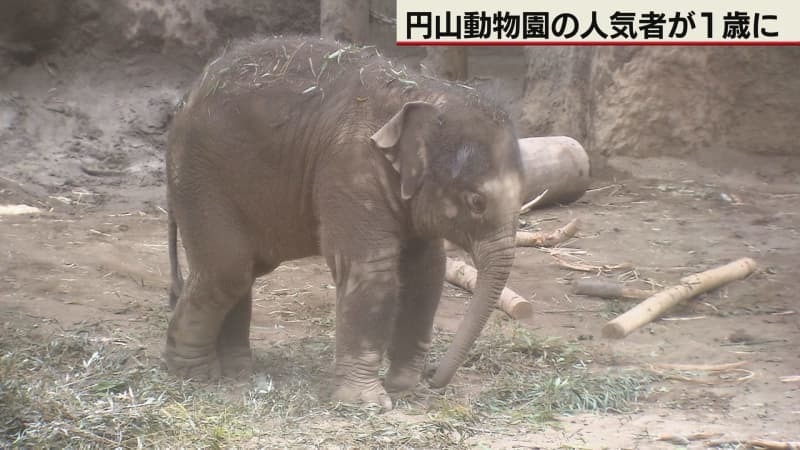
82 139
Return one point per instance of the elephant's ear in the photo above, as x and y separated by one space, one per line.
403 139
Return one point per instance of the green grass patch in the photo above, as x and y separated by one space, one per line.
83 390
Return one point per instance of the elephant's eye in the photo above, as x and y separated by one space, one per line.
476 202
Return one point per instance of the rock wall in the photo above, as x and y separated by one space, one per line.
705 103
29 27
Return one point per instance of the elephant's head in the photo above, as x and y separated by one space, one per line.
460 173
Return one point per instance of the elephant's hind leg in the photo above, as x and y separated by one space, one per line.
191 350
233 345
421 275
208 332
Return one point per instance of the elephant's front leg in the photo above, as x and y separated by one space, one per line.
422 267
367 288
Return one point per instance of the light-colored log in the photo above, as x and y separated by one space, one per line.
465 276
691 286
542 239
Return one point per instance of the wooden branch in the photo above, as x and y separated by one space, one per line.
690 286
773 445
465 276
537 238
752 443
583 267
608 289
703 367
528 206
686 440
540 239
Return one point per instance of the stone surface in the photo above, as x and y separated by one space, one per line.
706 103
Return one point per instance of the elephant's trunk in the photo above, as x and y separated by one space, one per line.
493 257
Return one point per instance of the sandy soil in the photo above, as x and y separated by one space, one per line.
82 138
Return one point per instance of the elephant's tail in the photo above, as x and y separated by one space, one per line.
176 285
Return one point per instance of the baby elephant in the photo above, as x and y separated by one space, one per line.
286 148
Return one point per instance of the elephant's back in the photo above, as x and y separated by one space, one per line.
277 104
299 66
249 129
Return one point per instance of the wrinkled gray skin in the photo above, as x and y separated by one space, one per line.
284 149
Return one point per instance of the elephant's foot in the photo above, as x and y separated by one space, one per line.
357 380
236 361
359 392
401 379
201 366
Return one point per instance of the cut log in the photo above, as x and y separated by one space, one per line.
556 164
691 286
607 289
465 276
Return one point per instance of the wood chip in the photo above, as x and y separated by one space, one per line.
17 210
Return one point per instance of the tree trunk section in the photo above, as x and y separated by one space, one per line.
558 164
345 20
